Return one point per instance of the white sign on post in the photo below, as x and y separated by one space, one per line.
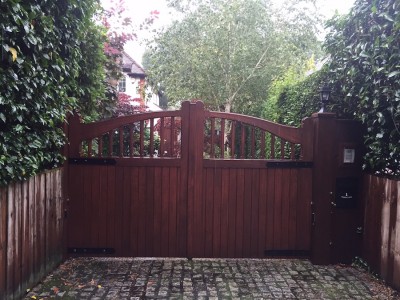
349 156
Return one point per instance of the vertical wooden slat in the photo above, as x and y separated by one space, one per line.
285 207
142 208
32 225
151 137
89 154
118 221
11 241
232 212
165 216
212 142
26 251
100 154
127 198
272 146
131 128
262 220
242 141
239 213
18 239
111 205
269 237
253 143
95 206
262 145
248 187
282 148
209 212
3 242
110 143
292 152
172 213
222 139
150 206
293 192
233 139
121 141
162 137
217 213
142 124
173 137
157 212
277 243
224 212
255 212
102 203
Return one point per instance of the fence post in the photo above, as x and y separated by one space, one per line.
336 203
196 235
323 177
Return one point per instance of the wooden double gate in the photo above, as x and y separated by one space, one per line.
189 183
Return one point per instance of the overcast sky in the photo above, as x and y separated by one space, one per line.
140 9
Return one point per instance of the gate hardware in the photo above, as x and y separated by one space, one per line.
92 161
91 250
289 164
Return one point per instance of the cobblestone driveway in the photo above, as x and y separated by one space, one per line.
133 278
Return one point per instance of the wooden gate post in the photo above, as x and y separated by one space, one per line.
196 235
336 207
323 177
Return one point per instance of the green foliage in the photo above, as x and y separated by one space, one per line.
50 56
365 53
227 53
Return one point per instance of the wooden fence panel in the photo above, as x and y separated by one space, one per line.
30 232
381 247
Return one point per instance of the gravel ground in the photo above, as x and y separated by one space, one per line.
157 278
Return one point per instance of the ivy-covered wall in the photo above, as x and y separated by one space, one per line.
51 56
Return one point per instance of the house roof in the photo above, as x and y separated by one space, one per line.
130 66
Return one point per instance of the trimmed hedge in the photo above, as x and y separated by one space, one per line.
45 60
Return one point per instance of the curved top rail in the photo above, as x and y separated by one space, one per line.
289 133
92 130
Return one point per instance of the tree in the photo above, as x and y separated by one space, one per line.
364 49
228 52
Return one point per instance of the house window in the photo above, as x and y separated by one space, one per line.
122 84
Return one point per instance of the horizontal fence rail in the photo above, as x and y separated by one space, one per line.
31 232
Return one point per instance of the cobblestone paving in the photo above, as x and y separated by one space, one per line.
133 278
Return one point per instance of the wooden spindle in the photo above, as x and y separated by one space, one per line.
101 146
212 154
282 148
161 154
262 147
172 144
151 137
142 138
272 146
233 136
242 141
253 143
121 141
110 143
89 148
131 128
222 138
292 154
